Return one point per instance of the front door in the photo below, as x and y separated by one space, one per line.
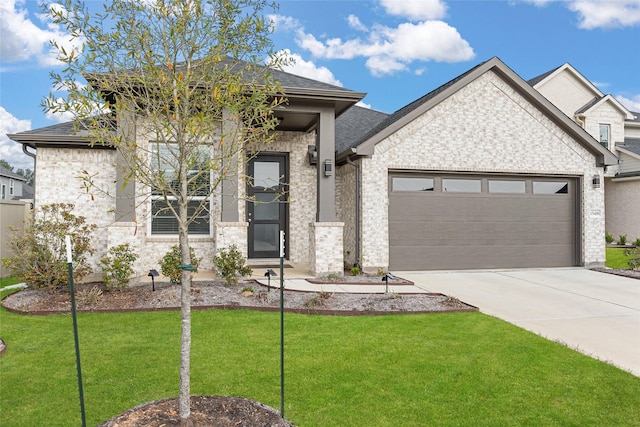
266 206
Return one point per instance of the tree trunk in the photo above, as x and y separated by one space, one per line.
185 311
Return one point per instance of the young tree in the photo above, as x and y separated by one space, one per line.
186 75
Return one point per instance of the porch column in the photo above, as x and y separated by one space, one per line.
230 191
326 172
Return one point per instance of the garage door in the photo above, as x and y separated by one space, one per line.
442 222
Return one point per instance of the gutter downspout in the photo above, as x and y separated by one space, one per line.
357 254
33 156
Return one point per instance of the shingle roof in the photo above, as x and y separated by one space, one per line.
636 117
534 81
61 129
404 111
631 144
10 174
354 123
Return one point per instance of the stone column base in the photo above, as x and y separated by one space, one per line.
326 248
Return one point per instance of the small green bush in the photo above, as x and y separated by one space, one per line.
355 271
608 237
634 261
230 264
39 253
172 260
117 266
636 242
622 240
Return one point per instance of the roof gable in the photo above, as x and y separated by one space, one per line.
567 68
591 106
7 173
365 146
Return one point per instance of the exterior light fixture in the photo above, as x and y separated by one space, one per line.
312 153
328 167
153 274
596 181
268 275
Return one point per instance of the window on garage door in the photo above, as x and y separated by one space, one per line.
406 183
550 187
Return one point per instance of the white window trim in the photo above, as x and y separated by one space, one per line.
11 186
160 197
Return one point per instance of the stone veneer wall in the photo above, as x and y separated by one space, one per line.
302 192
621 198
485 127
324 238
346 200
606 114
57 172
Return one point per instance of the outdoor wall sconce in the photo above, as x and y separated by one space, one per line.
268 275
153 274
328 167
596 181
312 153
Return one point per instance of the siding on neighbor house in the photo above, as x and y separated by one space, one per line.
628 164
621 198
485 127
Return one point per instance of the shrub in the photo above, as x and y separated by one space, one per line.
229 264
622 240
636 242
171 262
117 266
39 253
634 261
355 271
608 237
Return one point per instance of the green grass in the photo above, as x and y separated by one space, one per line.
617 259
410 370
8 281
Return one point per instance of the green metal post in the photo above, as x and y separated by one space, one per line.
75 328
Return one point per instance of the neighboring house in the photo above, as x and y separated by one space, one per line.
483 172
616 128
13 186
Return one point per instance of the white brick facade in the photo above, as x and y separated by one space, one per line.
485 127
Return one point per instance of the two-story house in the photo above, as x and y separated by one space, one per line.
616 128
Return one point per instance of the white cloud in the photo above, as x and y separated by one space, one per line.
283 23
600 13
23 39
606 13
12 151
355 23
415 10
308 69
363 105
632 104
389 50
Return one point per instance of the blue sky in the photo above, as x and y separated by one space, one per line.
395 50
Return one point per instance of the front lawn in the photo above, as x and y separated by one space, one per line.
408 370
617 259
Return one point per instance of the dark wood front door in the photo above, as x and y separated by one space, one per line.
266 206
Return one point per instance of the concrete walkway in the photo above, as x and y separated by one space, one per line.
595 313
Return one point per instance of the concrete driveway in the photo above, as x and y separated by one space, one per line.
595 313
